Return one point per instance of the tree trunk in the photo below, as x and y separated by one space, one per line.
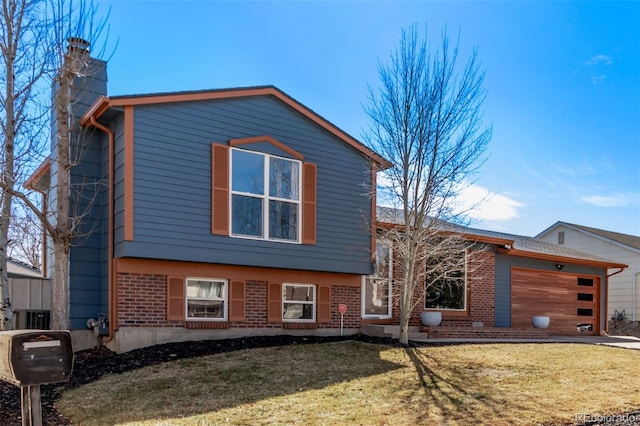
60 287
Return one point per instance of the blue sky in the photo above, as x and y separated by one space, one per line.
562 80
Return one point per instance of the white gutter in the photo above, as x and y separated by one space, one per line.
633 295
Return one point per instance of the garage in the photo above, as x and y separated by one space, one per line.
571 301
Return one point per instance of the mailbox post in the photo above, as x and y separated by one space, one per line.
30 358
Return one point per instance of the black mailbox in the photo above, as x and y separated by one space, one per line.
35 357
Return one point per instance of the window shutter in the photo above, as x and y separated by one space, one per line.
175 298
220 189
237 299
309 183
274 302
324 303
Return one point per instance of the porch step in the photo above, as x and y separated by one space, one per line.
457 332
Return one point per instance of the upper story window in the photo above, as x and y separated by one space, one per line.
265 196
206 299
446 282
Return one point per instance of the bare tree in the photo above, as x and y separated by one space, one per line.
23 65
426 119
67 28
25 238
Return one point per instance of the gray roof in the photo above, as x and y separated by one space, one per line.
517 242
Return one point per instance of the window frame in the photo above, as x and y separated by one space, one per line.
314 302
368 278
225 299
266 198
465 307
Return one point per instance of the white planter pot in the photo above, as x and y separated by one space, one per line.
540 321
431 319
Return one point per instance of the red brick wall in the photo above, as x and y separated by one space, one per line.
142 302
480 292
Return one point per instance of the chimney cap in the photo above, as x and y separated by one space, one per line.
78 44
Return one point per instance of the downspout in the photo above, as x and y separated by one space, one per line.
634 284
112 305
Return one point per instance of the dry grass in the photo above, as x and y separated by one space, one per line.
359 383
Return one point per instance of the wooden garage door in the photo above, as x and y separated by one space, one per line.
570 301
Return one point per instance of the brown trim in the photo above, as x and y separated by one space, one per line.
234 272
299 325
37 175
128 172
565 259
237 301
309 194
374 209
257 139
324 303
207 324
274 302
219 189
99 107
176 298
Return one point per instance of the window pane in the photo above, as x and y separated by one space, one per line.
376 295
298 311
298 293
247 216
247 172
205 289
205 308
446 295
283 220
382 261
284 176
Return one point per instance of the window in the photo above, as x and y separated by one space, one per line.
376 291
206 299
561 237
265 196
298 302
446 283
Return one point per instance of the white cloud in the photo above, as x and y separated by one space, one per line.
600 60
613 200
482 204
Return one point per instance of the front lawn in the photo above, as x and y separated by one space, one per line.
353 382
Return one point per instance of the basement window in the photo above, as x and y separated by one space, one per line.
299 302
206 299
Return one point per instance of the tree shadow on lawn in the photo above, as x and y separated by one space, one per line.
94 364
444 386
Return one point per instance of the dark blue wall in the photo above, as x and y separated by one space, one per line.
172 187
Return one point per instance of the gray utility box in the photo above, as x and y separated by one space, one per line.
35 357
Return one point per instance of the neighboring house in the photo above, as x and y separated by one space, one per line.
30 296
508 279
624 287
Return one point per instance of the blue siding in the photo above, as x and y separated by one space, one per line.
88 270
172 187
504 263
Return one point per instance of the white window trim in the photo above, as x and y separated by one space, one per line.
225 299
466 292
265 199
314 303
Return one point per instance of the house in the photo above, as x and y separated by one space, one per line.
223 213
236 212
30 295
507 279
624 287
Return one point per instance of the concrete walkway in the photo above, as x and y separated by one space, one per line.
627 342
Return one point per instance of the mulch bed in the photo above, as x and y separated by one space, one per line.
92 364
